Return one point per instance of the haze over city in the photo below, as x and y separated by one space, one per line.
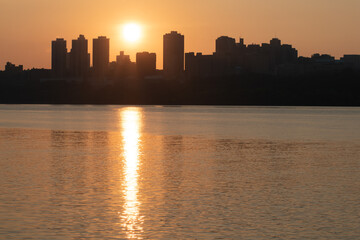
324 26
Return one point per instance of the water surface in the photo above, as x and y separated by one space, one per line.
122 172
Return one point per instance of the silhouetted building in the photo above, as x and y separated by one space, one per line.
123 63
199 67
12 68
225 54
58 57
275 42
225 45
231 58
123 67
123 59
79 57
173 54
240 47
320 64
322 58
146 63
101 51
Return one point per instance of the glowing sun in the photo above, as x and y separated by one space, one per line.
131 32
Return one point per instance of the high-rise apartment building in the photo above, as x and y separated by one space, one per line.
79 57
101 49
58 57
173 54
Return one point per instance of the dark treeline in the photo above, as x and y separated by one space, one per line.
340 89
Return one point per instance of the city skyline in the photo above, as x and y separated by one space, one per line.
321 26
236 73
98 56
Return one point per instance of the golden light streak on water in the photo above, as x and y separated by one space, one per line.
131 125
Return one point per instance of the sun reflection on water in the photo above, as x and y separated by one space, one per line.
131 125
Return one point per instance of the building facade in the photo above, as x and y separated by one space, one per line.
101 52
79 57
146 63
173 55
58 57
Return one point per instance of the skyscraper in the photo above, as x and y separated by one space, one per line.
101 48
173 54
58 57
79 57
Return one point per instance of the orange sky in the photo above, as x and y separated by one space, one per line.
28 26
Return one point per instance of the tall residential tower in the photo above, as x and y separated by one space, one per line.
58 57
79 57
101 49
173 54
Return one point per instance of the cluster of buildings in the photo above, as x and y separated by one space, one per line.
76 63
230 58
9 67
233 57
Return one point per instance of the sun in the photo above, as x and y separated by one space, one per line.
131 32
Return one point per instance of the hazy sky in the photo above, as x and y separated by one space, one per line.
28 26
